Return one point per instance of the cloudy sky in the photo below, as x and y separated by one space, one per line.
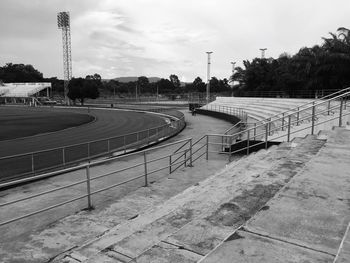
118 38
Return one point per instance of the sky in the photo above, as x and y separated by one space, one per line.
156 38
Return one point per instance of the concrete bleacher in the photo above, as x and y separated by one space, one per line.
259 108
300 186
22 90
289 203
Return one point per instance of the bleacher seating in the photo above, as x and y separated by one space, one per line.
258 108
22 89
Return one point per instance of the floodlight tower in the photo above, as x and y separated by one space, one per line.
208 77
63 22
263 52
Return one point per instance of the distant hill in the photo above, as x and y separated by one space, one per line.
128 79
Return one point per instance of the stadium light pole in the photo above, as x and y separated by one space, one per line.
208 77
63 22
263 52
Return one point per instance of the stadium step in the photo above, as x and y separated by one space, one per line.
307 221
191 224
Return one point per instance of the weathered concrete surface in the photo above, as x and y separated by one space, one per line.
41 237
310 214
202 216
242 247
343 255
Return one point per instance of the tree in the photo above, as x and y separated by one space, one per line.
175 81
142 83
165 86
20 73
199 85
79 88
113 86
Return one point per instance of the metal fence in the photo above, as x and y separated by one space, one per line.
187 152
143 168
17 166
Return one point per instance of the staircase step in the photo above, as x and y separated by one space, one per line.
308 220
202 216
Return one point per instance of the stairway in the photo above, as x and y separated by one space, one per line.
187 227
306 221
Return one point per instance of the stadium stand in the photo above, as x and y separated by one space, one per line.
258 108
22 90
24 93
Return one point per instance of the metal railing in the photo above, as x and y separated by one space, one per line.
282 127
232 111
145 165
31 163
187 152
278 127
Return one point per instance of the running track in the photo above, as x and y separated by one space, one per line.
108 123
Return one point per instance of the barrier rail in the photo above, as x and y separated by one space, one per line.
188 152
147 166
61 157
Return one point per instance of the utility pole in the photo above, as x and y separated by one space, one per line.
208 77
233 72
263 52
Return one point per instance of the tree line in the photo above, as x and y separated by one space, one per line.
321 67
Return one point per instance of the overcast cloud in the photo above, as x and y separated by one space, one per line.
162 37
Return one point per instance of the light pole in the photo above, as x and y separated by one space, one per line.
233 72
263 52
208 77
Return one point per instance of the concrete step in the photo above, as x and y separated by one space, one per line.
190 225
307 221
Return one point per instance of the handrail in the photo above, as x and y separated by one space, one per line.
185 142
311 102
304 109
84 143
61 156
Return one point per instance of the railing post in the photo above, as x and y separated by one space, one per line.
207 150
283 121
169 164
313 120
266 134
269 121
341 113
329 106
145 164
88 186
230 149
289 123
191 152
108 147
298 112
248 142
32 157
254 130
